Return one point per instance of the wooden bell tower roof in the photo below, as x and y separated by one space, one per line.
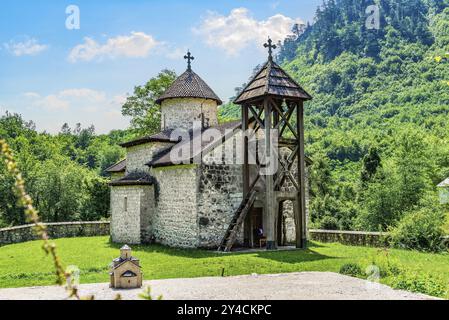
272 80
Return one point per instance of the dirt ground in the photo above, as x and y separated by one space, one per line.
288 286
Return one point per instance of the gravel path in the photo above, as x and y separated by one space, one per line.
288 286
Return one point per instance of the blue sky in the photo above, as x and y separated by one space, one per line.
52 75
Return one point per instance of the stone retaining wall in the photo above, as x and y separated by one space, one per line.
55 230
358 238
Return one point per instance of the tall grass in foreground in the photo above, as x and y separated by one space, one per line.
32 215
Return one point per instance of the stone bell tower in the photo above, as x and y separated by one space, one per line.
189 99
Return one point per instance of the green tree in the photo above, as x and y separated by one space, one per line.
379 208
421 228
96 205
371 162
141 106
412 168
59 190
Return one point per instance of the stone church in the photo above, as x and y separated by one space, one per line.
191 204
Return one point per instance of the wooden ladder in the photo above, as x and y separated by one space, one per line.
236 222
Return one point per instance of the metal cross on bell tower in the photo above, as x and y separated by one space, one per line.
189 59
270 47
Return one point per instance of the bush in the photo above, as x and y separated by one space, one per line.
351 269
329 223
420 283
421 230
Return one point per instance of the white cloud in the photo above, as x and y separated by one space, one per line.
52 103
135 45
64 99
119 99
81 105
175 53
84 93
239 29
31 95
27 47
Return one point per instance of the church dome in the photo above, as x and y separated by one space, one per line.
189 85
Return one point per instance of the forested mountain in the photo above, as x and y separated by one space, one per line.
378 126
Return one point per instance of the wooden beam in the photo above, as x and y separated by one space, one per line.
298 222
247 227
301 174
280 224
270 206
257 116
291 108
286 122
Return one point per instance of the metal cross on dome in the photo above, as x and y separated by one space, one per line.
189 59
270 47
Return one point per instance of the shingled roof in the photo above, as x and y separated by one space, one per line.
134 178
189 85
272 80
163 158
118 167
163 136
227 130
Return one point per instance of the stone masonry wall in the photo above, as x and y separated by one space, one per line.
175 220
288 205
357 238
220 192
55 231
129 217
181 113
147 213
138 156
287 211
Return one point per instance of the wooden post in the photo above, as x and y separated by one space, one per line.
298 222
302 233
271 214
247 225
280 223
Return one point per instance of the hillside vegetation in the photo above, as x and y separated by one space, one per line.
378 126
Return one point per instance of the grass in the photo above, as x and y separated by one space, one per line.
25 264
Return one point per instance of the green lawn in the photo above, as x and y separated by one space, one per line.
25 264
